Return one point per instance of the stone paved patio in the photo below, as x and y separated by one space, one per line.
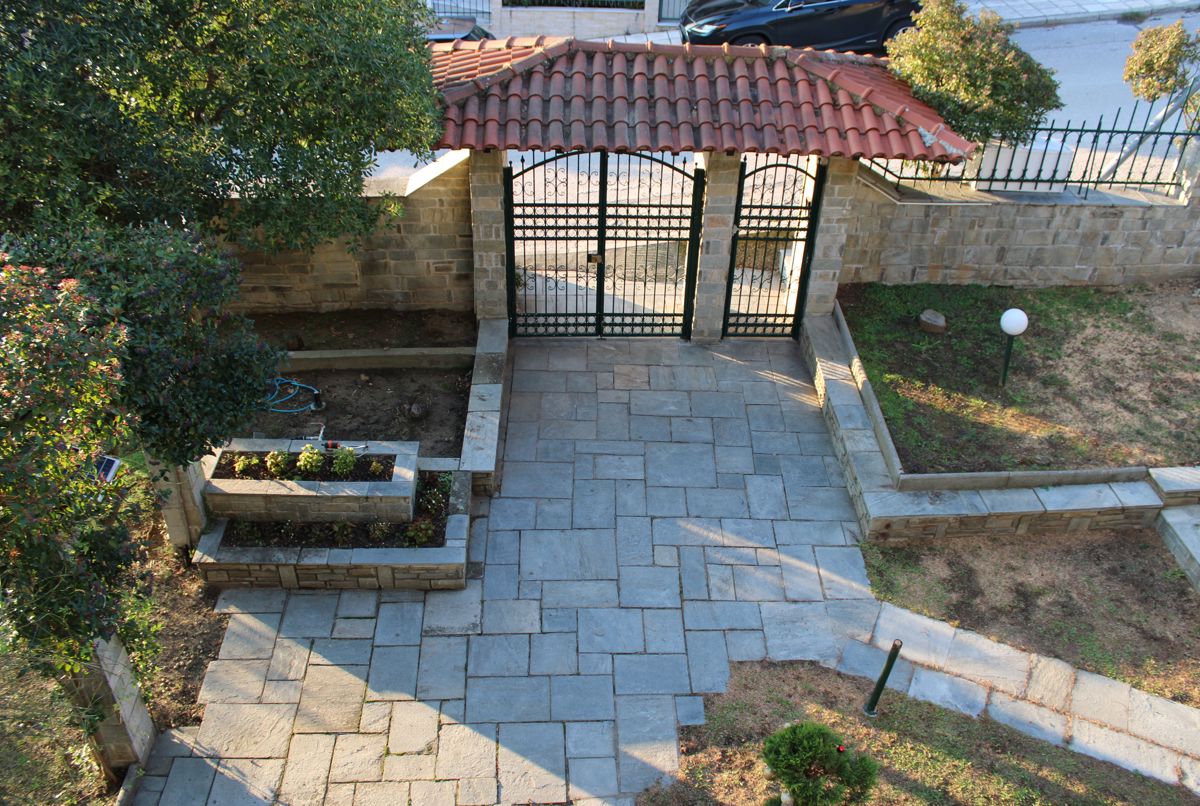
666 509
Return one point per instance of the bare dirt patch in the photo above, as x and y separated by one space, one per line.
429 405
1102 378
344 330
927 754
1114 603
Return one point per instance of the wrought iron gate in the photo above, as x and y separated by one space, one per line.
602 245
778 204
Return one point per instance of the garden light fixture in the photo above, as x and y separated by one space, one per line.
1013 322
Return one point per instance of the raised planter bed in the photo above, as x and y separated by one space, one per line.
894 506
425 568
275 500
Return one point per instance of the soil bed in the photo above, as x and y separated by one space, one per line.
366 468
366 329
429 405
1113 603
926 754
1102 378
427 529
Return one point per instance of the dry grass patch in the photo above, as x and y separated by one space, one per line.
1112 602
927 754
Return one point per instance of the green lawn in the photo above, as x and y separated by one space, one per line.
1099 379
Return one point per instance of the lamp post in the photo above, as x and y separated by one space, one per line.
1013 322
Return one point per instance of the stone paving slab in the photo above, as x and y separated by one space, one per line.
666 509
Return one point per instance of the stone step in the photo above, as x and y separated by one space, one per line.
1180 531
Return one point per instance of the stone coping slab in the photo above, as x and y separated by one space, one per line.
1042 697
380 358
1180 531
1178 486
893 505
485 408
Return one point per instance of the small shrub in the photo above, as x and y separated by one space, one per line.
1163 61
278 463
419 533
376 467
245 463
310 460
810 760
435 497
343 461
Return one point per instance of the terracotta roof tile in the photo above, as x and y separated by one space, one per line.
553 93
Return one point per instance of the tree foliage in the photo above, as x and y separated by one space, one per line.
1163 63
192 372
968 69
134 111
61 549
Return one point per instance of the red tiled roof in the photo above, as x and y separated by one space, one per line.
553 93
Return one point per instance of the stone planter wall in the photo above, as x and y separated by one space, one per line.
887 512
481 450
317 501
439 568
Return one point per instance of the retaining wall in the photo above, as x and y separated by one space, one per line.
419 261
583 23
901 238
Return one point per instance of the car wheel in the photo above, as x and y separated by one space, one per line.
897 27
749 39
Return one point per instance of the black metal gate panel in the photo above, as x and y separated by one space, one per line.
602 244
778 203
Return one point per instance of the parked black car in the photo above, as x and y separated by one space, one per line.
450 28
862 25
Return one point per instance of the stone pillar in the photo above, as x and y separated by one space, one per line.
720 200
833 226
1189 176
181 500
487 232
107 690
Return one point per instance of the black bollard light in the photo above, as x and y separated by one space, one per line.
1013 322
873 700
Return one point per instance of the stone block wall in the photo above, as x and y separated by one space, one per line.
487 231
877 237
421 260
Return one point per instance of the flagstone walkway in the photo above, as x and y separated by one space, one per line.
666 508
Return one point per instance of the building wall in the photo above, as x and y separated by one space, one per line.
583 23
879 238
421 260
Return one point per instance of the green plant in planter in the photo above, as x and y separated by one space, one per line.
246 463
310 460
816 768
379 531
420 533
343 461
278 463
376 467
434 497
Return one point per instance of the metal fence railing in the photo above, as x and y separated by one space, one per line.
671 10
481 10
1141 149
633 5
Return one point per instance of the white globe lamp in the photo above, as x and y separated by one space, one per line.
1013 322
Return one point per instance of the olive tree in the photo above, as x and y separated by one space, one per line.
1163 63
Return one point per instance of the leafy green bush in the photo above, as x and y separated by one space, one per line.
1163 62
810 760
343 461
278 463
310 460
245 463
376 467
966 68
420 533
